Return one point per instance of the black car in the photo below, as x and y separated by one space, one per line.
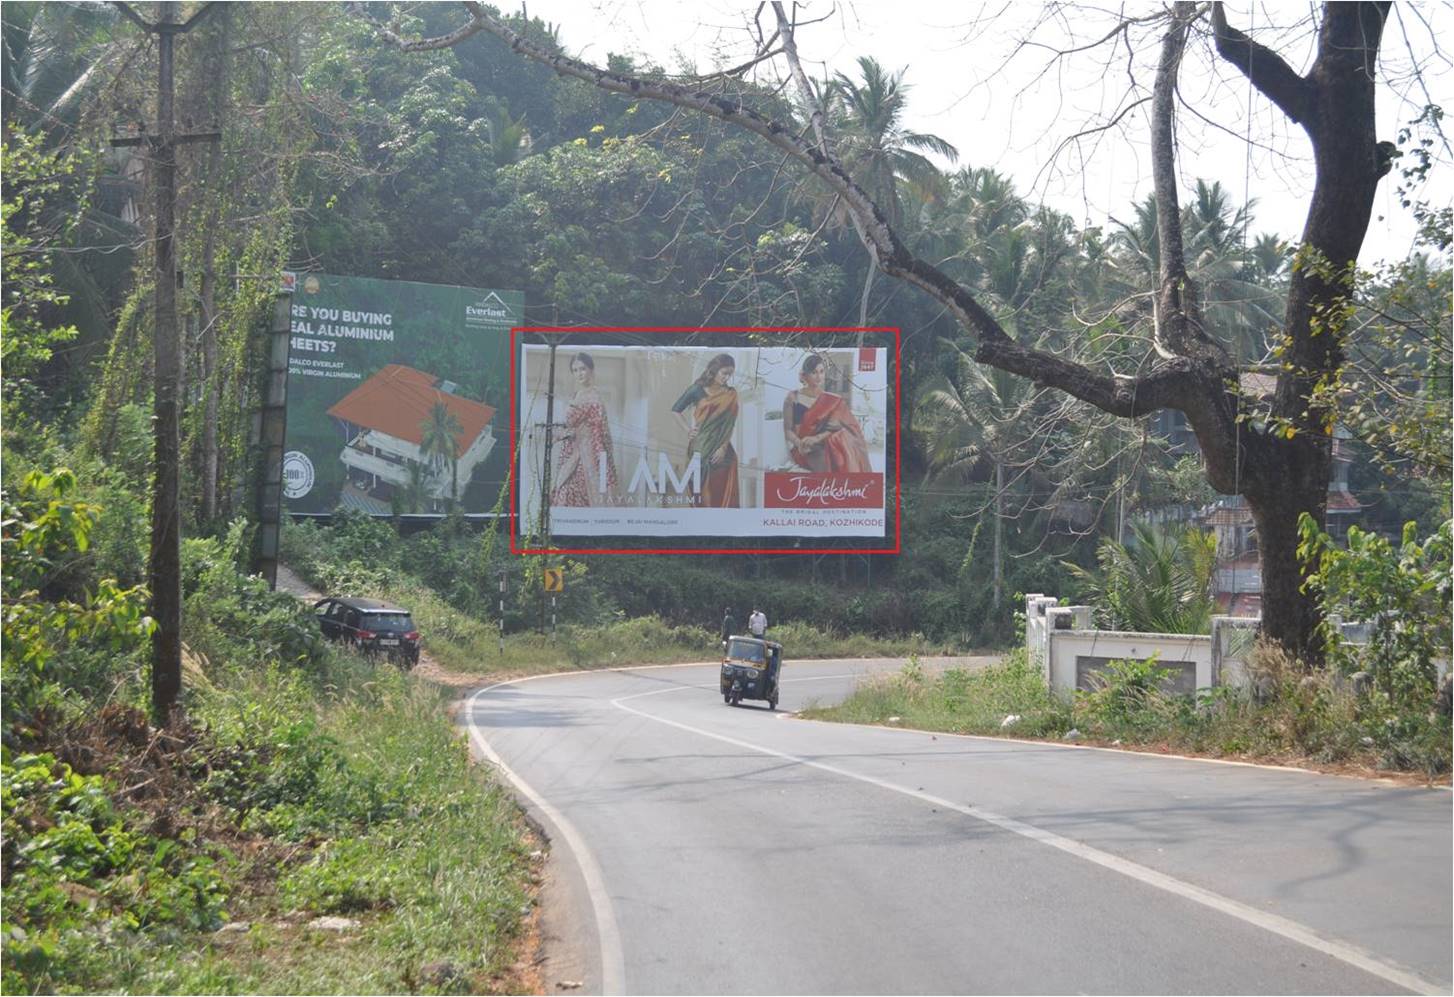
373 626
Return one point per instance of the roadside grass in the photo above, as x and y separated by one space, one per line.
339 792
407 837
1296 717
465 644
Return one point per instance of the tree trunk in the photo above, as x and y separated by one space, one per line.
999 565
218 64
165 567
1290 615
210 387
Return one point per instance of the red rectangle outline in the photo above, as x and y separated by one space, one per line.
898 442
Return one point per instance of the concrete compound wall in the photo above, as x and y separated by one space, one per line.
1063 641
1074 656
1069 650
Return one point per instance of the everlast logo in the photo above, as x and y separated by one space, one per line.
486 311
786 490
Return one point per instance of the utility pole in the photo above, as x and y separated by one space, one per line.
165 564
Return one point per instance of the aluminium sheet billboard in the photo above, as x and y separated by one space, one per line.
688 441
396 396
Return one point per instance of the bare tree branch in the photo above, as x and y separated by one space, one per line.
1264 68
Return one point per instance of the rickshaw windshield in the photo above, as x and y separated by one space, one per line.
746 650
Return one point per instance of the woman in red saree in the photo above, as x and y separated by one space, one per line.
822 433
713 405
585 446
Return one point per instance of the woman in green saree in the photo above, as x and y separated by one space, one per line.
712 403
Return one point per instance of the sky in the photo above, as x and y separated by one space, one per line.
989 80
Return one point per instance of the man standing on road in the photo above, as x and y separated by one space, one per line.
757 623
728 624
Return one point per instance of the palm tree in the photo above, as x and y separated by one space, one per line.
414 488
971 420
1159 583
55 54
1237 282
876 147
439 442
1270 257
509 136
57 59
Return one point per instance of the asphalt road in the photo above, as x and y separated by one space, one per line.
700 848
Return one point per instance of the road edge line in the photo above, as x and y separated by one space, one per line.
608 934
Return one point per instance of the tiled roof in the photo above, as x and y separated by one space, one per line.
398 401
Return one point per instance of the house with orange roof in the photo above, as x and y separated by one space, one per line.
385 423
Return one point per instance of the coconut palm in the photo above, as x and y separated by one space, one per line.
55 54
1237 282
972 421
1270 257
875 144
509 136
440 444
1161 582
57 59
414 489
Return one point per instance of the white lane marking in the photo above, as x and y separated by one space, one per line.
1282 926
613 963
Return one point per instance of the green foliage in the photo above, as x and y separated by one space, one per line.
234 616
1402 591
32 175
77 869
406 834
1162 583
1123 694
55 646
1393 392
958 700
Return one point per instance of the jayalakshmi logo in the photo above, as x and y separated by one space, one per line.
805 490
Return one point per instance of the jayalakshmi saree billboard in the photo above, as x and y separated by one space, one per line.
690 441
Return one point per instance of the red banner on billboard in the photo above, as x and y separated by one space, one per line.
796 490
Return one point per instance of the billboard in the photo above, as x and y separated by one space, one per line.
671 441
395 396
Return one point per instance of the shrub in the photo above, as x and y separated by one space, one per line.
1126 698
58 647
230 615
1404 593
1159 583
74 866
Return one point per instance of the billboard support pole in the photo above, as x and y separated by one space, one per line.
554 341
502 614
273 424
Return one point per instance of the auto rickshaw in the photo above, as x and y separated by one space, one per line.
750 667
